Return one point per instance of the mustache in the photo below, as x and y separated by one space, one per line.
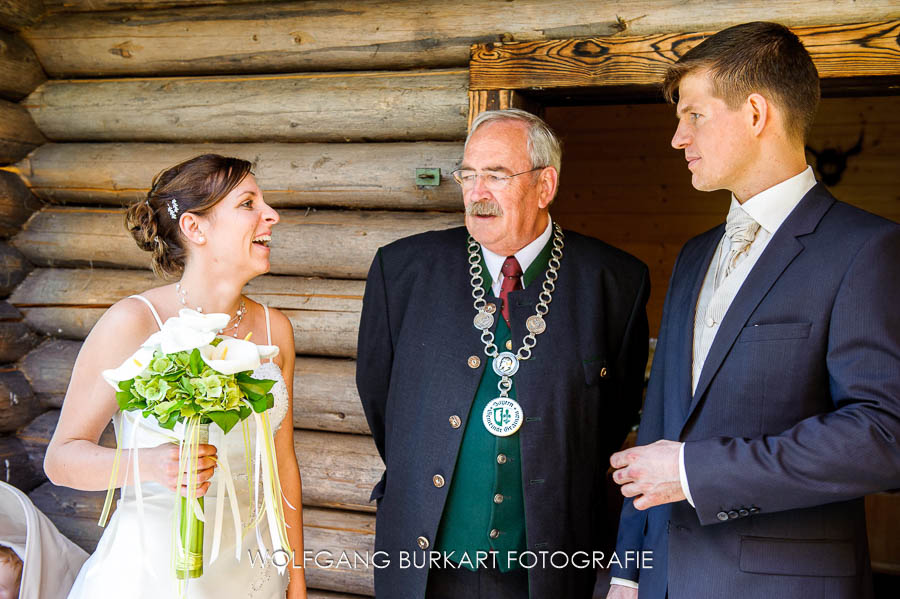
484 208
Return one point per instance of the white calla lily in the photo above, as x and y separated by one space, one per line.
231 355
130 368
187 331
267 351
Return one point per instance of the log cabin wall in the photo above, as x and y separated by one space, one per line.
336 103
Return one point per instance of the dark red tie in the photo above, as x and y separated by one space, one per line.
512 280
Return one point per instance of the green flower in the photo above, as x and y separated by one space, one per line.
152 390
161 364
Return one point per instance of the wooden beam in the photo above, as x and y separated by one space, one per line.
327 243
328 107
347 175
20 70
13 268
15 14
854 50
15 467
16 203
365 34
18 133
19 406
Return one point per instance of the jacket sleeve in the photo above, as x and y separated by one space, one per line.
633 522
375 355
834 456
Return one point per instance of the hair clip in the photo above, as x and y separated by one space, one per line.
172 207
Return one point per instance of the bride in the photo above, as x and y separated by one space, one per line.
204 221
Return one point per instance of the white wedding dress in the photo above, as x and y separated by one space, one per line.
133 559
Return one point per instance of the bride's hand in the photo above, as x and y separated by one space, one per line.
161 465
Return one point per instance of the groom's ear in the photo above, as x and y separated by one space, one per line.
191 226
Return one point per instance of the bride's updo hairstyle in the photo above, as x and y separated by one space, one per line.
195 185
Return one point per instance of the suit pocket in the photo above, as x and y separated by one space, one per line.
595 370
793 557
774 332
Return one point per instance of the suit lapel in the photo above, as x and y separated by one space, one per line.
686 301
780 252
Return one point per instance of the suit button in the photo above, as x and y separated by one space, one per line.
455 422
722 516
438 480
474 361
743 513
710 321
603 372
509 344
732 515
494 533
423 542
498 498
501 458
754 510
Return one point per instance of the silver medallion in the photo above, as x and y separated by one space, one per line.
502 416
506 364
483 321
536 324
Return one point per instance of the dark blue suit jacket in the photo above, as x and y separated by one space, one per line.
579 392
796 415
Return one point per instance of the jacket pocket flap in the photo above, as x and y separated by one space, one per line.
771 332
793 557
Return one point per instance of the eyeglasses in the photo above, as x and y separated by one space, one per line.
493 181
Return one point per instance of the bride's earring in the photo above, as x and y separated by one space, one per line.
201 239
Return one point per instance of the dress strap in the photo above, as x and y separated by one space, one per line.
268 327
156 315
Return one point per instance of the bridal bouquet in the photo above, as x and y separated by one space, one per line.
186 375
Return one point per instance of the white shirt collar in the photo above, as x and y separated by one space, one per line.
771 207
525 256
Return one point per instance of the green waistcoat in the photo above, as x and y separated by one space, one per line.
486 491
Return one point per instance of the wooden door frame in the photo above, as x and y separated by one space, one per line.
864 56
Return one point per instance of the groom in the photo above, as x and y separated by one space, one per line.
774 398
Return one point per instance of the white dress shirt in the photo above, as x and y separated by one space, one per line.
525 256
770 208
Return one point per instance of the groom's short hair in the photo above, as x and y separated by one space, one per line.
759 57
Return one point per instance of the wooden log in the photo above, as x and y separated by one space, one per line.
18 133
36 436
325 396
351 175
101 288
331 534
856 50
16 340
315 333
338 470
13 268
99 5
15 467
20 71
17 203
375 106
75 513
318 243
8 312
362 35
48 368
15 14
18 405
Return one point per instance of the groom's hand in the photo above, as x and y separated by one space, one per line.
649 473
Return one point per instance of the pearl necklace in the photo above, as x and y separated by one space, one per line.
239 315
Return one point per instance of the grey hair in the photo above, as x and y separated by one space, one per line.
544 147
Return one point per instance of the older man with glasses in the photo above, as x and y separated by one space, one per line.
495 410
